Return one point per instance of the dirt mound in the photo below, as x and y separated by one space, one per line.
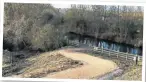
48 63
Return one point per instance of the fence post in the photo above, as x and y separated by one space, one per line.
109 53
101 49
117 55
136 59
126 56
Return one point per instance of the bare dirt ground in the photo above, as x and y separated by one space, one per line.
93 66
46 63
68 63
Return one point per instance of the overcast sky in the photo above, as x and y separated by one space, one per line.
61 5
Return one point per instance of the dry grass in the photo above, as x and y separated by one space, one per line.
132 73
48 63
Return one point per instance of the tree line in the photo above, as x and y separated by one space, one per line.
43 27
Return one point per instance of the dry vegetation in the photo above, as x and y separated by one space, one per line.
133 73
48 63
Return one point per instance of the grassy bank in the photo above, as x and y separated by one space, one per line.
132 73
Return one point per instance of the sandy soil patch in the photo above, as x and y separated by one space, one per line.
93 66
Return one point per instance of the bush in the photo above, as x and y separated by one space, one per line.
47 38
15 33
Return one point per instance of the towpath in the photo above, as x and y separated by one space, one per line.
93 66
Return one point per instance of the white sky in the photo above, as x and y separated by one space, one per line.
61 5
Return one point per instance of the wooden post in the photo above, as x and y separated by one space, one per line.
96 48
109 53
117 55
126 56
102 50
136 59
93 48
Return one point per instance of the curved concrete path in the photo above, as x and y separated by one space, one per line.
93 66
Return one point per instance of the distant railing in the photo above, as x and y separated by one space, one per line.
109 52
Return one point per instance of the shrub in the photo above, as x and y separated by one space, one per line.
47 38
